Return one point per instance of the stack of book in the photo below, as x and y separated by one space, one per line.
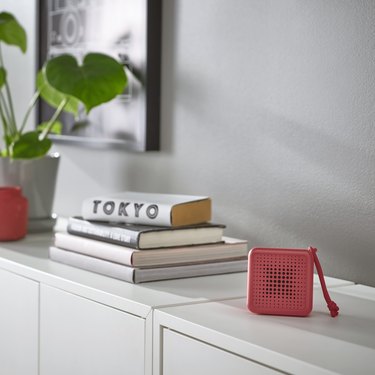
139 237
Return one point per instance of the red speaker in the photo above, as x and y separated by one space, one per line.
280 281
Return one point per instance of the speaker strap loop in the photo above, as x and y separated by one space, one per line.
333 308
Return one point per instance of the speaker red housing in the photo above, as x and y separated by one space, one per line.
280 281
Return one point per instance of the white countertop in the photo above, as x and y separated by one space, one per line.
317 344
29 258
357 290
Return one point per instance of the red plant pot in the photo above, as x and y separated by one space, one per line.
13 213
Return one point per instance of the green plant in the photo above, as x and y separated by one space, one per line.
62 83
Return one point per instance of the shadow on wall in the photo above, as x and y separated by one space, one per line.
276 179
311 188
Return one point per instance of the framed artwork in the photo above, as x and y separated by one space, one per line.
128 30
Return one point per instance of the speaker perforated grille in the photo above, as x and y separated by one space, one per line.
280 282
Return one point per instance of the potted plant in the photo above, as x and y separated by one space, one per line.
65 85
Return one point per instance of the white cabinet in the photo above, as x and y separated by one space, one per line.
183 355
314 345
82 322
18 324
59 320
358 290
79 336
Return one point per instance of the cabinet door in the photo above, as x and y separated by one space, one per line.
79 336
18 324
183 355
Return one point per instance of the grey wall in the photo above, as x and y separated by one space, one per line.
269 108
20 67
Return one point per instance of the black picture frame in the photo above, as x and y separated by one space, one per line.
133 35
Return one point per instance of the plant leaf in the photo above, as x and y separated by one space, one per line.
55 129
3 76
54 97
11 32
29 146
98 80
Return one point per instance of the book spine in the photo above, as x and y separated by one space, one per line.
100 266
97 249
118 236
126 211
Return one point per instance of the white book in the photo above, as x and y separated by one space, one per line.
229 249
148 208
139 275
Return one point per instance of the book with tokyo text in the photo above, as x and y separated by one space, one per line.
170 210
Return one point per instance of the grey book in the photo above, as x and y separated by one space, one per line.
228 249
140 275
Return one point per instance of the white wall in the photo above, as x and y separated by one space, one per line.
269 108
21 68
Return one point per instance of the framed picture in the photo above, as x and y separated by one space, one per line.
128 30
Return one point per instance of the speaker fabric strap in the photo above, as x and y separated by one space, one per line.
333 308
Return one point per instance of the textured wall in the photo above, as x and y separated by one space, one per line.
269 108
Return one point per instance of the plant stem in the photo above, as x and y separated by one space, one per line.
5 128
9 97
5 116
12 118
29 109
57 113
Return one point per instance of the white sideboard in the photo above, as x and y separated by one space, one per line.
56 319
314 345
19 324
357 290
